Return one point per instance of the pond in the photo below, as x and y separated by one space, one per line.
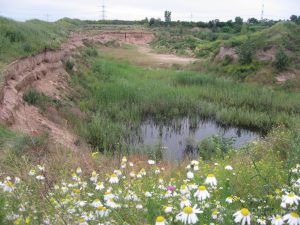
176 139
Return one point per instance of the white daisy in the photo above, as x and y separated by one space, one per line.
201 193
190 175
277 220
102 211
229 200
228 167
188 215
185 202
292 218
160 220
113 179
242 216
290 199
96 203
99 186
211 180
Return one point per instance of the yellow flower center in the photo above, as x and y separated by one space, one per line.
183 186
188 210
101 208
210 175
295 215
215 212
245 212
113 175
160 219
10 184
107 193
202 188
278 217
76 190
291 195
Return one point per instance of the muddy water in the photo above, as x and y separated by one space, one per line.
174 140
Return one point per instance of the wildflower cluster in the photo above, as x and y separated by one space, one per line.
145 193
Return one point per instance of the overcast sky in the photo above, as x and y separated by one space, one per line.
197 10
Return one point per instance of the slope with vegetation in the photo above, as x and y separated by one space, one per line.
262 52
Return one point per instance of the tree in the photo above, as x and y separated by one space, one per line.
151 22
168 16
238 23
294 18
281 60
253 20
246 52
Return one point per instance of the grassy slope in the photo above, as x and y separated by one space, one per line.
206 44
18 39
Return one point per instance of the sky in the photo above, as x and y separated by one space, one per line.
185 10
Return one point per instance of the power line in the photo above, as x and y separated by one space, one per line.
103 10
47 17
262 11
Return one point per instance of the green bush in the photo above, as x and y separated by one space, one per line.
246 52
36 98
282 60
69 64
32 96
215 147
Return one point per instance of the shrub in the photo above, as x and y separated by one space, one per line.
36 98
69 65
90 51
246 51
215 146
14 36
32 96
282 60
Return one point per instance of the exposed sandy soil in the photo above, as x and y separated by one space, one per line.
165 59
45 72
287 75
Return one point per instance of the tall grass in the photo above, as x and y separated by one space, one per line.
18 39
119 96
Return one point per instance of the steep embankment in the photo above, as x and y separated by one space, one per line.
46 73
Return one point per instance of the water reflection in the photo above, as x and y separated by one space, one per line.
175 139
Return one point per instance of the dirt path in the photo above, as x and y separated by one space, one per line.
46 72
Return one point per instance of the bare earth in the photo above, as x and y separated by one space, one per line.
45 72
165 59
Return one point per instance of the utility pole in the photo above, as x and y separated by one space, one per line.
262 11
191 16
103 10
47 17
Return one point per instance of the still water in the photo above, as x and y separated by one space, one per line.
173 139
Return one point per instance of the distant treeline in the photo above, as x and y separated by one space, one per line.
213 24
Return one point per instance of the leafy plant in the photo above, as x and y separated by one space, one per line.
246 52
282 60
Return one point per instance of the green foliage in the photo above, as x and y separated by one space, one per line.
246 52
69 64
22 144
281 60
215 147
167 16
36 98
19 39
90 51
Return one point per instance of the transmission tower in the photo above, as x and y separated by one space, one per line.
262 11
103 10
